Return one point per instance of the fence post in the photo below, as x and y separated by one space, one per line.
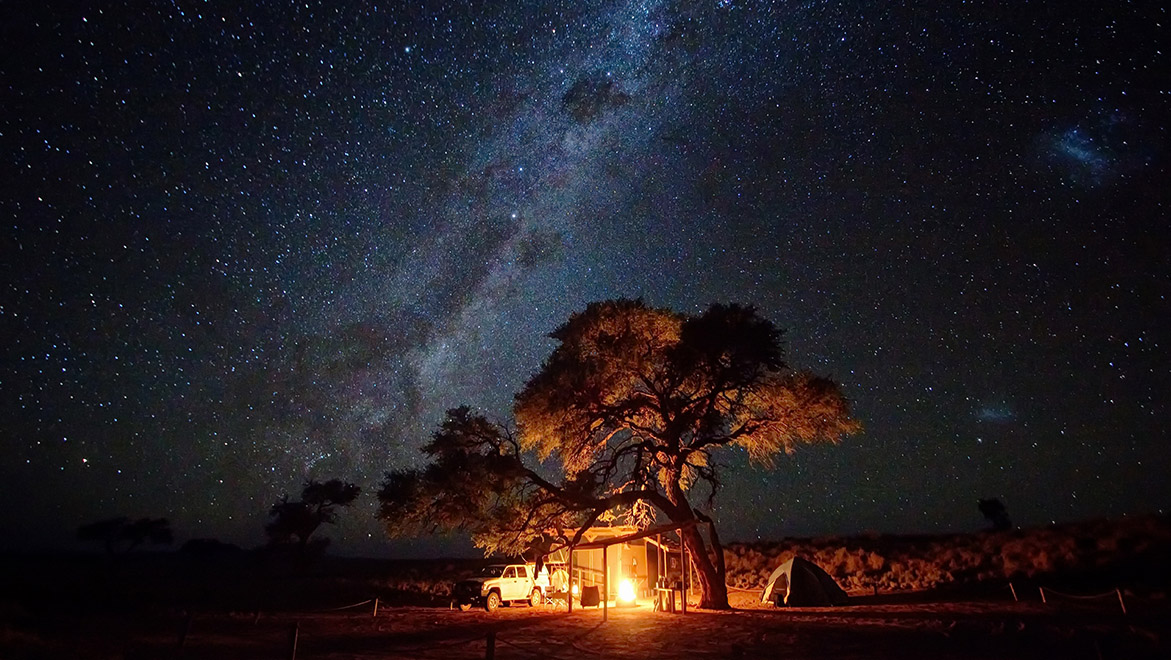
376 606
1120 601
293 635
186 629
1013 589
490 649
1042 590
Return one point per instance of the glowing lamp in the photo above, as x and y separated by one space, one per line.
626 591
575 590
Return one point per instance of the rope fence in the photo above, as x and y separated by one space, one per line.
295 636
1053 592
490 639
350 607
1044 592
256 615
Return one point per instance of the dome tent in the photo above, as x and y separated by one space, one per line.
801 583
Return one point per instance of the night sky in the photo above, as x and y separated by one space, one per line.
246 246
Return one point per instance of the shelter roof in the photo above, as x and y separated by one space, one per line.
631 534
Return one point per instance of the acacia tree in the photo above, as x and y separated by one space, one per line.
121 532
632 409
318 504
996 513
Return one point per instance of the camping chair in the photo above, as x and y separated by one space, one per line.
558 591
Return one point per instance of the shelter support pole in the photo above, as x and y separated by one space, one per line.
569 596
683 570
646 565
605 584
659 570
690 577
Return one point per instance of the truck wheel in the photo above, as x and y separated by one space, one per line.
492 602
535 598
464 607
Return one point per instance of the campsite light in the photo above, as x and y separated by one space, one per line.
575 590
626 591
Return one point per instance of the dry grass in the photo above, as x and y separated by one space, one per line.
1129 551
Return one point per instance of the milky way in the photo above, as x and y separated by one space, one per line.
250 246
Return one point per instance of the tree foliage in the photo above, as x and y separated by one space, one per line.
123 535
995 512
318 505
627 417
478 481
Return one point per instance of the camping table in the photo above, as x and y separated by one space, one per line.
665 599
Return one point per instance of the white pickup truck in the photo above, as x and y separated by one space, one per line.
496 585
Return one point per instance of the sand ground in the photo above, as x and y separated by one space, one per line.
983 629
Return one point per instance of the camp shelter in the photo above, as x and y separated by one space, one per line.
801 583
626 562
631 555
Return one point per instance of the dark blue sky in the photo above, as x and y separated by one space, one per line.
244 247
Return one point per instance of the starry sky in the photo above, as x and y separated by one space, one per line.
248 244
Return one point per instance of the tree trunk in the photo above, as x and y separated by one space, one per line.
717 547
713 590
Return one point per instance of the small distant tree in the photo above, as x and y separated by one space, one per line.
123 535
297 521
635 407
994 511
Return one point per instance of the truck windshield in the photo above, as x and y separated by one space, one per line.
491 571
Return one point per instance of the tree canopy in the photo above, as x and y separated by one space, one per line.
996 513
123 534
318 505
627 417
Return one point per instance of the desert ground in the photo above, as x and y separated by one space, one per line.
946 596
885 626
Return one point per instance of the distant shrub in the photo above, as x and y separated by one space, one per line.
900 563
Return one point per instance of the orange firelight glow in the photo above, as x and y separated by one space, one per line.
626 591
